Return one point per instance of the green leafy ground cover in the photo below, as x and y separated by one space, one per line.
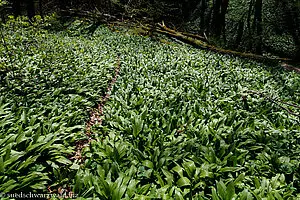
175 127
45 97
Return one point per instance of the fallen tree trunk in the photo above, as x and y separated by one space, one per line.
162 26
201 42
195 40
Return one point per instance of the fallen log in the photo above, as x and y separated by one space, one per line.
290 67
162 26
200 42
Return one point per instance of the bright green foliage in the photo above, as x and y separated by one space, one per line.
175 126
46 93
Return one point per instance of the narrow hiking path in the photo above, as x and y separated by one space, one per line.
96 115
179 123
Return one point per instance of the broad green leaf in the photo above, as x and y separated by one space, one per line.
230 191
190 168
214 194
169 177
29 161
178 170
143 189
239 179
8 186
245 195
137 126
183 181
230 169
75 166
221 189
63 160
148 163
1 165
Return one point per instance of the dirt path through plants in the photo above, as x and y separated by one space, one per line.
95 116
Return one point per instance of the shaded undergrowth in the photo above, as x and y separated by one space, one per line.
179 122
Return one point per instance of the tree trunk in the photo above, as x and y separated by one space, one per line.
250 36
297 54
199 43
16 6
240 31
224 7
296 30
202 14
258 25
188 8
216 18
62 4
30 9
41 9
2 16
185 9
292 21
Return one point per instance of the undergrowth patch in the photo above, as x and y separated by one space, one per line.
180 123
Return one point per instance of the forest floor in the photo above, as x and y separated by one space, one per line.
148 118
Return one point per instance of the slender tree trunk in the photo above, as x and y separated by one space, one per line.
208 18
250 36
296 37
30 9
185 9
62 4
296 30
292 22
224 7
41 9
240 31
258 25
297 54
202 14
216 18
2 17
16 5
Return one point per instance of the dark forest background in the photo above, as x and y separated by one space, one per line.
257 26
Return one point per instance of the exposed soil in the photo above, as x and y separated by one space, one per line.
95 117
